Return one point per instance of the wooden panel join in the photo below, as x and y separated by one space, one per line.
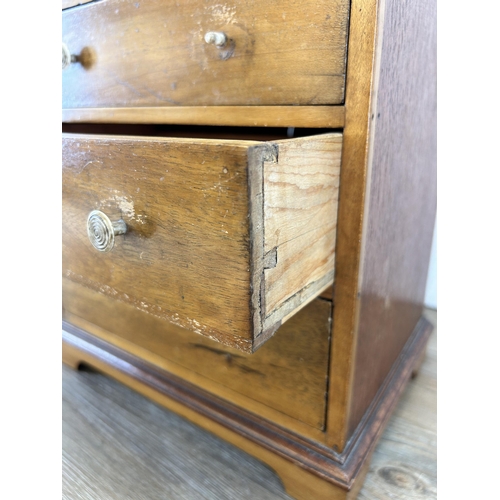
154 53
300 206
201 248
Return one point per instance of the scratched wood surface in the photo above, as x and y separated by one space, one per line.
185 257
153 53
287 374
199 213
119 445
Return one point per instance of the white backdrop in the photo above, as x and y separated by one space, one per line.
431 289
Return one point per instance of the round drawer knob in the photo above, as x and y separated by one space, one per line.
102 231
216 38
67 57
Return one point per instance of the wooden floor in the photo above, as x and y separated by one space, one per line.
119 445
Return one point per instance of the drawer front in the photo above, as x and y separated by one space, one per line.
153 53
288 374
225 238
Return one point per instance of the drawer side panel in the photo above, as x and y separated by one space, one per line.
300 220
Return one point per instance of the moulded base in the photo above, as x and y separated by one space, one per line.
307 469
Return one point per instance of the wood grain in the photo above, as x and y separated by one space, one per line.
404 464
402 195
300 221
234 116
306 471
153 53
118 447
195 253
362 37
387 201
183 201
327 293
288 374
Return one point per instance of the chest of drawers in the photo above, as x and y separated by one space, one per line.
248 205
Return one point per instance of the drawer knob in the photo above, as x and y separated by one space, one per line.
102 231
67 57
216 38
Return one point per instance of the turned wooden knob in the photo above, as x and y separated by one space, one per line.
217 38
67 57
101 231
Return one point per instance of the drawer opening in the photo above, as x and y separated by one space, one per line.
228 238
193 131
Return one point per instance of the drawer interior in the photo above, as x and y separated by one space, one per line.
195 131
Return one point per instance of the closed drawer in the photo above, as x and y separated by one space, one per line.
288 374
153 53
227 238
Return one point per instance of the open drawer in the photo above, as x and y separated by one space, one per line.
227 238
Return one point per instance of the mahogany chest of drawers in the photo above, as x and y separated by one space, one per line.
248 206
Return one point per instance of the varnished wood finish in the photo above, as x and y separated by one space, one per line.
113 439
71 356
387 201
287 374
362 33
199 216
308 471
153 53
185 255
327 293
404 463
234 116
385 219
401 205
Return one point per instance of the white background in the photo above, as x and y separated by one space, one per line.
431 288
469 250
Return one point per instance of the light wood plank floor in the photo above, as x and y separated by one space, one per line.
119 445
